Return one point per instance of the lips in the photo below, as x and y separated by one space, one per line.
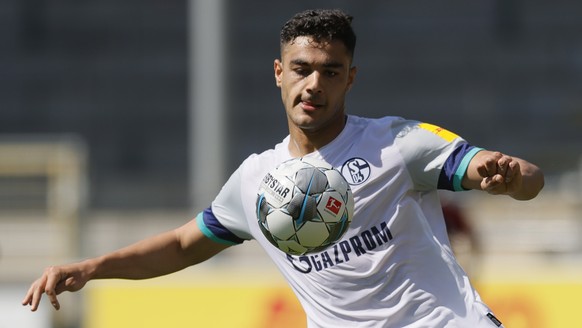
309 106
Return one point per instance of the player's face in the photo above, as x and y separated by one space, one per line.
314 79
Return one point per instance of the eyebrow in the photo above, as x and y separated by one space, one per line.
301 62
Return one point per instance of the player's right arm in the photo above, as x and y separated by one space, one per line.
152 257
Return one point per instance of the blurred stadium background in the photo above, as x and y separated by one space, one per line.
119 120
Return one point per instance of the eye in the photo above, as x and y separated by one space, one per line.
331 73
302 71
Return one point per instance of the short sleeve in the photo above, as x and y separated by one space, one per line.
225 221
425 149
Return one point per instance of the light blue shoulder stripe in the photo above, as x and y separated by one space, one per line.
208 233
462 169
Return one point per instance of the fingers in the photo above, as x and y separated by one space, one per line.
497 163
45 284
28 297
501 174
493 185
50 289
507 168
490 165
34 294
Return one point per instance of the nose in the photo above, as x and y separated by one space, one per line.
314 83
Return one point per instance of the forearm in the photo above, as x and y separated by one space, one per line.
156 256
152 257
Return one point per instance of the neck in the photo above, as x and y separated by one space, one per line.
303 142
299 148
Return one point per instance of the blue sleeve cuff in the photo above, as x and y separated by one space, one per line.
213 229
455 167
462 169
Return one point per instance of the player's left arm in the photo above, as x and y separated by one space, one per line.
501 174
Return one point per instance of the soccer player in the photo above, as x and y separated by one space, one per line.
394 266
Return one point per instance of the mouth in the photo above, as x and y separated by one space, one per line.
309 106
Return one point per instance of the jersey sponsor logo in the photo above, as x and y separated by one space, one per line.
443 133
356 170
343 251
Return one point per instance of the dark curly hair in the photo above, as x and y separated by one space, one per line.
321 25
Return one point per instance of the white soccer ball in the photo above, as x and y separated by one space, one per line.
304 206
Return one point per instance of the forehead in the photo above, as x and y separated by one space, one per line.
310 50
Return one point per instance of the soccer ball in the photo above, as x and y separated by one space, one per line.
304 206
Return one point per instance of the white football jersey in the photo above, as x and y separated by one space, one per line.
394 266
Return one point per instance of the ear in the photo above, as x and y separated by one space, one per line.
351 77
278 68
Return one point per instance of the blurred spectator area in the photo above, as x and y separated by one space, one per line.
113 73
504 74
42 198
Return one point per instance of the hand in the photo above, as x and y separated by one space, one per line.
54 281
501 174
